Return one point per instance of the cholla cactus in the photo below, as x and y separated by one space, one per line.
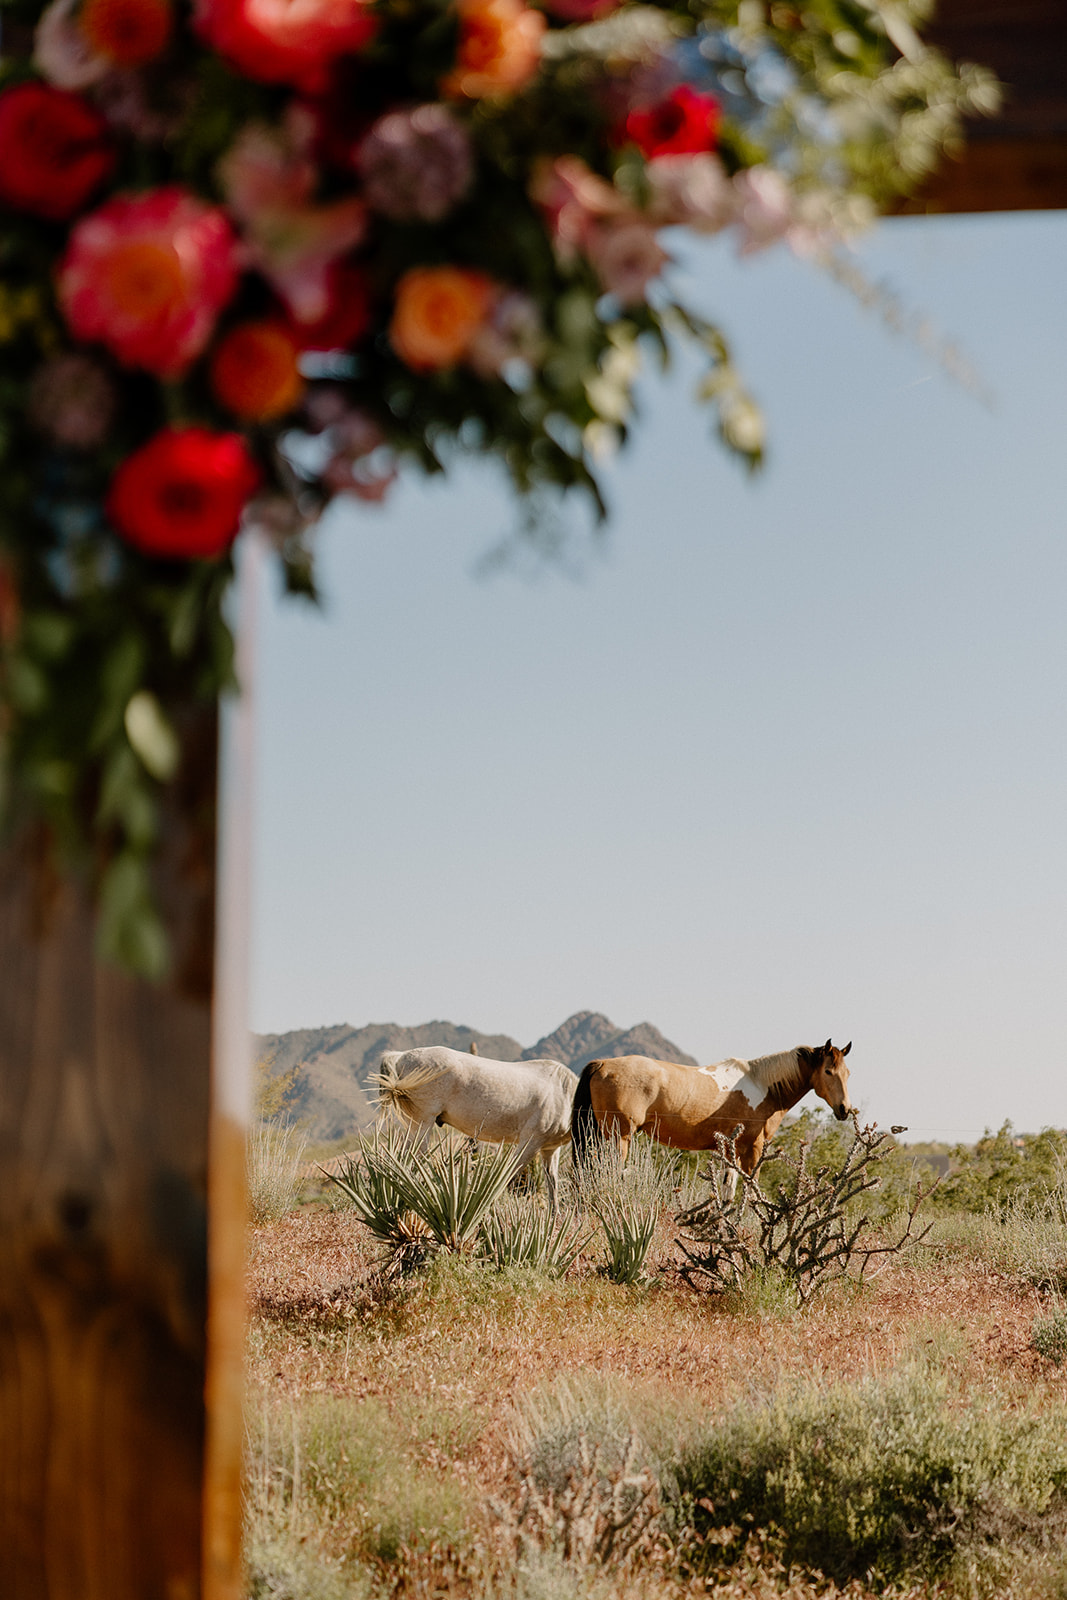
808 1231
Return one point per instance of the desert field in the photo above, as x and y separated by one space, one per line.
436 1424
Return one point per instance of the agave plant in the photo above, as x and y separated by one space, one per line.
516 1235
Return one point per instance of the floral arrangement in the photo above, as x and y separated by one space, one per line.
259 253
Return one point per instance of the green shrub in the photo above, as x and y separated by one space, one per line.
1049 1337
348 1477
1024 1241
1004 1169
887 1480
901 1170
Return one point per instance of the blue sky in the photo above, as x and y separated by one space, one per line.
786 759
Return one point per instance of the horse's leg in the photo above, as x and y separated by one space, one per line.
422 1134
620 1128
550 1162
747 1152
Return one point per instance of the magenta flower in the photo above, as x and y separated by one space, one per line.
72 400
416 164
626 256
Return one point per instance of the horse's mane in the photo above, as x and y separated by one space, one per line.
782 1070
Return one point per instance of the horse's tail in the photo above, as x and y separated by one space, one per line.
397 1093
585 1130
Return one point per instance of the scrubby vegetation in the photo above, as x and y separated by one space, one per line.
506 1418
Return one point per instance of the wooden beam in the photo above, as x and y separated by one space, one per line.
1018 160
104 1088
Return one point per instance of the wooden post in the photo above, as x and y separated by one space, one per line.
122 1113
104 1088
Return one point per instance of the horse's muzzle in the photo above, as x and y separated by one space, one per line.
842 1113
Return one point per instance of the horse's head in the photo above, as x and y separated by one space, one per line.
830 1079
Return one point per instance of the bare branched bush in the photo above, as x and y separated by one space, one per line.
274 1157
808 1230
605 1512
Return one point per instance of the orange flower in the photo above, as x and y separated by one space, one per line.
438 311
499 48
254 371
127 32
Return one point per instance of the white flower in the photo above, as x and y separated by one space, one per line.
692 191
626 256
62 53
765 208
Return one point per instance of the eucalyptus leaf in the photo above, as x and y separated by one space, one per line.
151 735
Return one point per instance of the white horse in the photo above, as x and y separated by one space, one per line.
525 1103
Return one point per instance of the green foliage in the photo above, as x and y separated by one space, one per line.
901 1169
1027 1243
349 1479
1049 1336
886 1480
1004 1168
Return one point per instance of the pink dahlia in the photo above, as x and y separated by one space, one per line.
147 275
285 41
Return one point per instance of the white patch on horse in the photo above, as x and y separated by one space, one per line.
753 1078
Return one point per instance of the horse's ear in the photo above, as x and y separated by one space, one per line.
847 1048
827 1047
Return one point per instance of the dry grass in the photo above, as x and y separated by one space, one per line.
450 1379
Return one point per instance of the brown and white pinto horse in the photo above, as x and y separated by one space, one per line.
687 1106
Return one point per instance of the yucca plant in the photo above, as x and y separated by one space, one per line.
517 1235
629 1230
418 1200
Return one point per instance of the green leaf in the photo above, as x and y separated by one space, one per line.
130 930
151 735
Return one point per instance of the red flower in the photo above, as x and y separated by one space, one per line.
348 317
55 150
285 41
147 275
181 495
684 124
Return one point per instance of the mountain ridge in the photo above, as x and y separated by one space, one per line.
328 1091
